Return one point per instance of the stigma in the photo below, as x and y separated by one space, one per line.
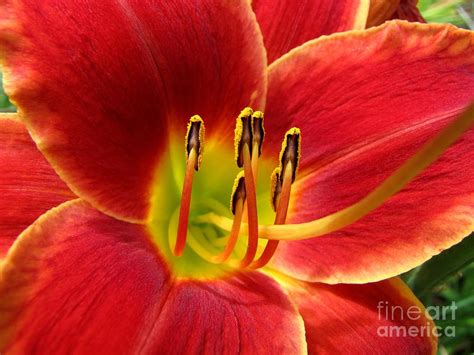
249 135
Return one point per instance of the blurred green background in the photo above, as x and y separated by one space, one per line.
448 277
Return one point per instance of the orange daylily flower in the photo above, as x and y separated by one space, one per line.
115 234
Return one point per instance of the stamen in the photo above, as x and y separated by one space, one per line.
281 188
243 151
243 135
291 151
194 150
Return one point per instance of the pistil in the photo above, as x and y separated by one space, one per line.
194 147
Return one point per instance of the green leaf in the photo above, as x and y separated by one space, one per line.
446 11
5 104
440 267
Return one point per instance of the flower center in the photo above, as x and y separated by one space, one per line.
185 193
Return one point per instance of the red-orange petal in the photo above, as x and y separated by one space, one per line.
78 279
383 10
287 24
377 318
28 185
367 101
101 84
247 314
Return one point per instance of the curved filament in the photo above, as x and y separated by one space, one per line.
251 208
185 204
